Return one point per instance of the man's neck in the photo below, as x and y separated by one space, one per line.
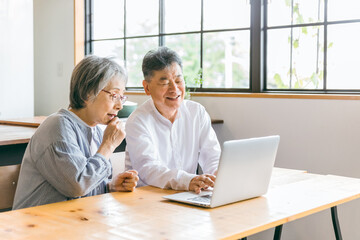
171 116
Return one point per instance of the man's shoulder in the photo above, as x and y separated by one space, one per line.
193 107
141 112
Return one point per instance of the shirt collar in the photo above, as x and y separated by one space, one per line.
158 114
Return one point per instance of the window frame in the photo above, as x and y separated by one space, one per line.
258 45
325 23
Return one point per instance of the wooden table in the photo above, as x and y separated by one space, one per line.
15 134
29 122
18 131
14 137
144 214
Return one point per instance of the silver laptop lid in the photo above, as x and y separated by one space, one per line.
244 169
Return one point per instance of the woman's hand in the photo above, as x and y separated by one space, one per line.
124 182
114 134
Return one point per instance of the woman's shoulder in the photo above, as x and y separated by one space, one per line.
56 128
57 125
57 120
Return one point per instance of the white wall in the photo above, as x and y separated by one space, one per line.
54 54
16 59
321 136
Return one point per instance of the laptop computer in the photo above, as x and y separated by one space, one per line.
244 172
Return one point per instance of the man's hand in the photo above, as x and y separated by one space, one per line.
202 182
124 182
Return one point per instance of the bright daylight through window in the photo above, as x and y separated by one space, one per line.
301 45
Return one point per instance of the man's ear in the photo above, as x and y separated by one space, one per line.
146 87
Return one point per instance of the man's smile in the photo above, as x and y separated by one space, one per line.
173 98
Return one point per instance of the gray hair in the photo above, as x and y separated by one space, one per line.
91 75
159 59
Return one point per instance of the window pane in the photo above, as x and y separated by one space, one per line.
278 58
304 11
174 15
188 47
135 52
110 48
343 10
298 65
142 17
108 19
343 54
226 14
226 59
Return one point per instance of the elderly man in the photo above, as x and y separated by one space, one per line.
167 136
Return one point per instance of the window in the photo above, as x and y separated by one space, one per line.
311 45
238 45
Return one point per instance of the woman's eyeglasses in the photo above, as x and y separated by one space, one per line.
116 97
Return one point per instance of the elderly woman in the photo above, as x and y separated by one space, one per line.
68 156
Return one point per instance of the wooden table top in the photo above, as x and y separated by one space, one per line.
15 131
10 134
28 122
144 214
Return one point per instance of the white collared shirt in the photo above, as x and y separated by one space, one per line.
166 154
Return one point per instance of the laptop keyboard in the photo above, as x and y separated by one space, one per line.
202 199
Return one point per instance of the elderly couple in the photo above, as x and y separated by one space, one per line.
167 137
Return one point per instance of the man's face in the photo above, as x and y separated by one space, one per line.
167 89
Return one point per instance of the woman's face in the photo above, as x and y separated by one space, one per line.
103 108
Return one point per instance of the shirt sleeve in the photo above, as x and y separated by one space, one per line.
67 169
209 152
143 157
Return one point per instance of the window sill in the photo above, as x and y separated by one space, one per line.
267 95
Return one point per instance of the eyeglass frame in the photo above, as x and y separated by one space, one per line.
116 97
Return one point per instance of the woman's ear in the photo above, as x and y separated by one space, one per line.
90 98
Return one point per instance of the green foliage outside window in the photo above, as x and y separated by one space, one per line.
193 81
315 79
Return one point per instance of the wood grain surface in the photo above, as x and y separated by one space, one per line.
144 214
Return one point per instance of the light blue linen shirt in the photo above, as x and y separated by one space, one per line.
58 165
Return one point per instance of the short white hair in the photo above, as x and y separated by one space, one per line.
91 75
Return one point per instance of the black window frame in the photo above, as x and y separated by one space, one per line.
258 45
